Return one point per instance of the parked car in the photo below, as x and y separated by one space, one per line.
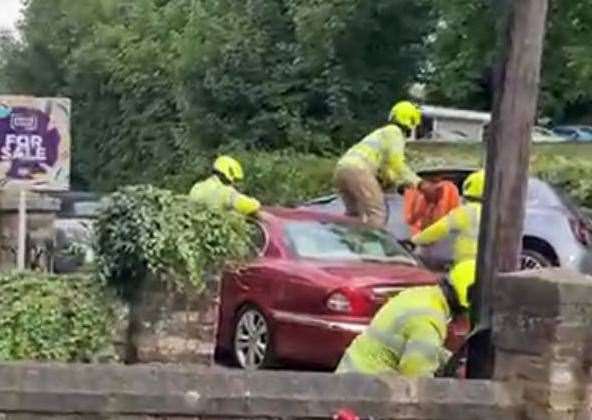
556 232
315 283
74 222
574 132
543 135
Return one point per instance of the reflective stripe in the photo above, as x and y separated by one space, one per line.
364 158
426 349
394 343
372 145
400 322
216 199
469 235
233 199
373 142
429 350
475 218
347 364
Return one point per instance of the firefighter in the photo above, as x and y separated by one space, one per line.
408 333
377 163
218 191
463 221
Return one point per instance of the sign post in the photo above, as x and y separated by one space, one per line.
22 230
34 152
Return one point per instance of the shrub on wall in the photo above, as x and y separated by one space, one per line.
149 231
51 318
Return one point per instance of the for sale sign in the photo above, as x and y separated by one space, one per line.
35 143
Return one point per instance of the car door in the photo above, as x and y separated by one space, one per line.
244 284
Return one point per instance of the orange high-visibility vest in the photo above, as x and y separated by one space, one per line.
419 213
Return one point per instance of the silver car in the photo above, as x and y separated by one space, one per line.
556 232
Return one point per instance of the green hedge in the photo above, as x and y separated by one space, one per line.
287 178
51 318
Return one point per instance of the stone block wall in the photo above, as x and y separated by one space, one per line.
543 341
29 391
171 327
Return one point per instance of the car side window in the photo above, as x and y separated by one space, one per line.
564 132
258 239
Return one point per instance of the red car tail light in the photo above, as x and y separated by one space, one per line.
350 301
581 231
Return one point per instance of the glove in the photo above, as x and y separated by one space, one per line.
408 245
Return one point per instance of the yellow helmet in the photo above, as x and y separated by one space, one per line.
230 168
406 114
462 277
474 185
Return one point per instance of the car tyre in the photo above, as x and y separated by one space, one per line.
252 343
534 260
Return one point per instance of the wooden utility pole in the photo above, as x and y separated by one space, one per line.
514 113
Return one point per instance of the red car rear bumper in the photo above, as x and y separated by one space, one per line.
314 340
322 340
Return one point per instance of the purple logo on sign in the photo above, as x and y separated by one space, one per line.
23 122
27 143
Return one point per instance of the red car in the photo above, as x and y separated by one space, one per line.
315 285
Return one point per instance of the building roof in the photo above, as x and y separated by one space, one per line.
452 113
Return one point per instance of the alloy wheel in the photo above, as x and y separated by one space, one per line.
251 340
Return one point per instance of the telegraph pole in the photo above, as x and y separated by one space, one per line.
508 148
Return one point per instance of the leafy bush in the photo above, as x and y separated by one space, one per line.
275 178
145 230
572 176
285 178
51 318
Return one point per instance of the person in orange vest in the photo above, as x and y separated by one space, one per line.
420 213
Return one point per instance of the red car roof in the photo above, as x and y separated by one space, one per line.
306 214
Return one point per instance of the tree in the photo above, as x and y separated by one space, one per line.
155 83
459 70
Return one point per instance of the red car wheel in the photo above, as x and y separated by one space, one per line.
252 348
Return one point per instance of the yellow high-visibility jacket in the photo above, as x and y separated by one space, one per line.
382 153
213 193
464 221
406 336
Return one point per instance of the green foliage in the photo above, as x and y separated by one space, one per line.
286 178
282 177
463 50
156 83
145 230
45 317
573 176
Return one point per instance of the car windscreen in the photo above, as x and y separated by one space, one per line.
340 241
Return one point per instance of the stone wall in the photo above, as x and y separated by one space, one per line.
543 341
542 338
170 327
32 392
